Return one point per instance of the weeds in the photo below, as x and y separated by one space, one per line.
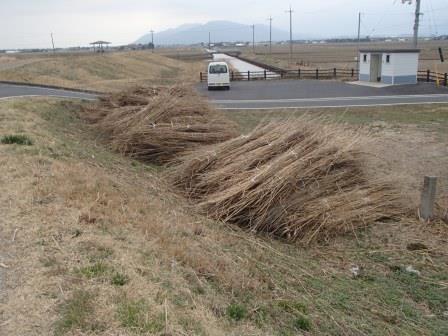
236 312
77 313
119 279
133 315
96 270
302 323
22 140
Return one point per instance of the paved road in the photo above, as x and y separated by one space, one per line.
8 91
314 94
243 66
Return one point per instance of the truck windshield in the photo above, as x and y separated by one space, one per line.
217 69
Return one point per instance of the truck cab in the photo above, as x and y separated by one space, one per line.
218 75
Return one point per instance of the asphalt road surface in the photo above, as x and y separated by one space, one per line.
8 91
280 94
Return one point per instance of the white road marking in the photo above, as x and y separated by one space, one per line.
326 106
298 100
44 95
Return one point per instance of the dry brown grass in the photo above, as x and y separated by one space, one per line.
109 72
340 55
76 204
156 124
301 180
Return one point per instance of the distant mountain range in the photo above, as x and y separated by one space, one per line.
220 31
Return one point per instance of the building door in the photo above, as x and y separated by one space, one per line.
375 67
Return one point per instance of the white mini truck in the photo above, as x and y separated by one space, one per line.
218 75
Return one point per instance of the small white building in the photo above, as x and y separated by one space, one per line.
394 67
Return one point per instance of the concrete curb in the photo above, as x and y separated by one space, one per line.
52 87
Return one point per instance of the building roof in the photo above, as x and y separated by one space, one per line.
389 51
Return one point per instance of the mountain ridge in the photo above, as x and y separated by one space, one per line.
220 31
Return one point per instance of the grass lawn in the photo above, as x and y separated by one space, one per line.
102 246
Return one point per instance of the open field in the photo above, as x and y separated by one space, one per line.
106 72
93 243
341 55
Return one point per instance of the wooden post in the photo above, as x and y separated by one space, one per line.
231 75
248 75
445 79
334 73
317 73
428 75
200 76
353 73
265 75
298 73
428 198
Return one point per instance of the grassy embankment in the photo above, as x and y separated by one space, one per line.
102 246
102 72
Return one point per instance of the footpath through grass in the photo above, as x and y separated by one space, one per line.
103 247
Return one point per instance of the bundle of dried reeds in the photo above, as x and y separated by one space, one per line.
156 124
302 180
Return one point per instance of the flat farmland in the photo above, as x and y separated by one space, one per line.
340 55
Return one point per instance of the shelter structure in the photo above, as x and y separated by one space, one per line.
98 46
389 66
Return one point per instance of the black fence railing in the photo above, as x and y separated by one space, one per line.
433 77
290 74
423 75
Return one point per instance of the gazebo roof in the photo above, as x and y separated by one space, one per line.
100 42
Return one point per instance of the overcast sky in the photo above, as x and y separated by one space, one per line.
28 23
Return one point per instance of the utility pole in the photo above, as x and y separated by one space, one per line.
417 22
290 11
152 40
52 42
270 35
359 36
359 28
209 40
418 13
253 38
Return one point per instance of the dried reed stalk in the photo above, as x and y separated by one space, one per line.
302 180
156 124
